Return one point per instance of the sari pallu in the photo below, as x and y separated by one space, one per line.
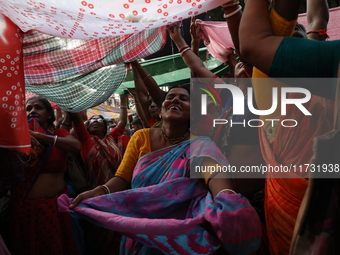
35 224
165 210
102 161
292 146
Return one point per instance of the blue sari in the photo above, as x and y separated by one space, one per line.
166 211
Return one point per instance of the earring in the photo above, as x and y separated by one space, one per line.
160 116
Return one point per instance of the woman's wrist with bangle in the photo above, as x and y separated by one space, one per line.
228 191
105 188
232 11
55 138
185 50
229 4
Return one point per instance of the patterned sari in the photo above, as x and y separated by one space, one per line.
36 226
168 212
102 160
292 146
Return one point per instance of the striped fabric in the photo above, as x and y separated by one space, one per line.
79 74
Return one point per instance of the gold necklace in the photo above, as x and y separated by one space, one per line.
174 140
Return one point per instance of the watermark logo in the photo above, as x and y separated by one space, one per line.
239 101
230 111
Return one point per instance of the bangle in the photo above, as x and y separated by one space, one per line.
123 107
224 190
186 49
320 32
105 188
55 140
230 4
232 13
183 48
146 76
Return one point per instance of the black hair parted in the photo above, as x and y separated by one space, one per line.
47 105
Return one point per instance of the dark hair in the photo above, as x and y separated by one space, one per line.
137 121
47 105
183 86
104 120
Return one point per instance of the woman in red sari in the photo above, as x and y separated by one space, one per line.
101 156
100 152
36 225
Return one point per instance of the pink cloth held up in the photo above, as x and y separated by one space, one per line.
216 38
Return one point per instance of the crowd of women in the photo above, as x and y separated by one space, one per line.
141 199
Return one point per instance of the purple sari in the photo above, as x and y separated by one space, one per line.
168 212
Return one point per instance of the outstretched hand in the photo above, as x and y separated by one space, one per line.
194 30
98 191
175 31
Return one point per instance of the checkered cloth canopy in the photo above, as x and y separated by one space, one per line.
79 74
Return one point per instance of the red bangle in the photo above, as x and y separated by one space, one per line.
320 32
183 48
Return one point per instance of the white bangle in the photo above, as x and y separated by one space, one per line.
106 188
224 190
55 140
233 13
186 49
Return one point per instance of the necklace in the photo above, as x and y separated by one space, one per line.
174 140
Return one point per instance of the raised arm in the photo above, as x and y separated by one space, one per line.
317 18
141 106
123 112
195 39
146 85
190 58
140 92
233 13
258 45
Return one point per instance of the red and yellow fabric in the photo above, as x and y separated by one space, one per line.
292 146
288 147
